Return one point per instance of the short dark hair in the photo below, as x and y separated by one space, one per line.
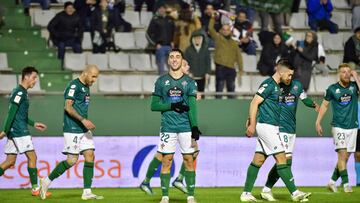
68 3
177 50
285 63
242 11
27 71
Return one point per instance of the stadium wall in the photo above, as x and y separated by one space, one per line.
118 116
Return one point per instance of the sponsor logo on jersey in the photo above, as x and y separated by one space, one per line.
261 90
175 94
72 86
83 89
167 82
140 158
345 99
20 93
17 99
289 99
71 93
337 91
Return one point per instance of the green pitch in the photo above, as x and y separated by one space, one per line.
204 195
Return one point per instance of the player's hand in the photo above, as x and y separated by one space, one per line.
250 130
2 135
88 124
319 129
179 107
354 74
40 126
317 107
194 144
195 133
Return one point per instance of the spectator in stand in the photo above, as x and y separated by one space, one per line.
276 19
198 58
352 50
205 19
66 30
227 53
86 13
45 5
250 13
355 20
150 5
104 22
160 34
306 53
203 4
186 24
271 52
242 33
319 12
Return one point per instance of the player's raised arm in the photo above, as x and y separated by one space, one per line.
251 123
323 108
354 74
73 113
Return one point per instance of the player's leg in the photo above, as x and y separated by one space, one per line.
11 154
288 141
87 149
357 158
167 147
188 150
178 182
9 162
343 156
72 150
165 176
31 157
152 168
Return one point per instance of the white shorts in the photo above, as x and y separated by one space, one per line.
288 141
268 142
345 138
19 145
76 143
167 143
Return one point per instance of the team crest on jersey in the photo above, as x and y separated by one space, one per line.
175 94
167 82
296 87
184 83
351 88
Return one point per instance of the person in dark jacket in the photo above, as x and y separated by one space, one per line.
243 32
105 20
270 53
198 58
319 12
66 30
306 53
352 50
160 34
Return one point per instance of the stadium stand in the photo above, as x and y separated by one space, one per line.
24 41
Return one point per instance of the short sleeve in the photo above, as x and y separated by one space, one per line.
70 92
328 94
17 97
157 88
192 88
264 90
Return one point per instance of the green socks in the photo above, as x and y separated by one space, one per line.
2 171
344 176
154 164
335 175
33 177
251 176
165 182
190 177
88 174
181 173
286 176
273 176
59 170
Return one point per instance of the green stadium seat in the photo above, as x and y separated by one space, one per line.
55 82
43 61
9 43
21 33
17 22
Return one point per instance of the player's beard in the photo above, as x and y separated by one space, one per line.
176 68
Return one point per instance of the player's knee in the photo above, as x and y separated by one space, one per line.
166 162
11 162
195 155
71 160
